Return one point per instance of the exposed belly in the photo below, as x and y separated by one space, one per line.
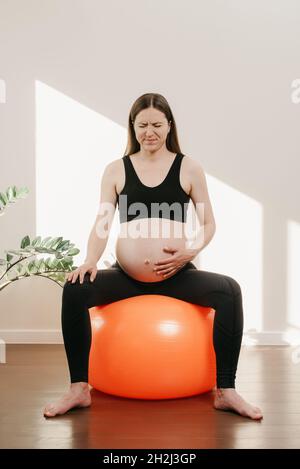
140 243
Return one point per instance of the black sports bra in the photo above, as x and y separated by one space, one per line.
166 200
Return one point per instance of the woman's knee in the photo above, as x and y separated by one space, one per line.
86 280
75 289
236 288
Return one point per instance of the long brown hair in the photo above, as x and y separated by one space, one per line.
156 101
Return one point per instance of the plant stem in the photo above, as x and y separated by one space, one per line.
31 275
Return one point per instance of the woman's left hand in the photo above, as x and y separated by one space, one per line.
169 266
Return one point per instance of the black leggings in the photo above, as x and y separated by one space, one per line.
220 292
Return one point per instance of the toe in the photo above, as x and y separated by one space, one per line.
257 410
49 411
257 414
49 414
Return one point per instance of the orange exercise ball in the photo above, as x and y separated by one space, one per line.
152 347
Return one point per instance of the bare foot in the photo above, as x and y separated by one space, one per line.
229 399
77 396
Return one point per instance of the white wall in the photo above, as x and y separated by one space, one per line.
72 69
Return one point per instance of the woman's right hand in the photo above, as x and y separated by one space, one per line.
90 267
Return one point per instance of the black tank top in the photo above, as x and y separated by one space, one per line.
166 200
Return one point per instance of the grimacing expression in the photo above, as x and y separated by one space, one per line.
151 128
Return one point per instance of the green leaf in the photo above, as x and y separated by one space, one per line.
56 241
21 268
36 241
61 277
9 257
42 250
73 252
63 245
45 241
35 267
55 263
65 263
3 198
25 242
22 192
58 277
10 193
30 266
61 265
38 264
48 244
68 260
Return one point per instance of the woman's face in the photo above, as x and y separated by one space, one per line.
151 128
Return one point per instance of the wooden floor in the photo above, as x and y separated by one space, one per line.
36 374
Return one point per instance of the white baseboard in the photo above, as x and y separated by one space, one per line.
271 338
54 336
31 336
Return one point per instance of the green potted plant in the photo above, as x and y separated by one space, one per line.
22 262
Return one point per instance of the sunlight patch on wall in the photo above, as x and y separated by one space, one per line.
236 248
73 146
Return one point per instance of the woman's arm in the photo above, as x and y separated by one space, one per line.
100 232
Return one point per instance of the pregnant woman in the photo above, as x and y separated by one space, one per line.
152 185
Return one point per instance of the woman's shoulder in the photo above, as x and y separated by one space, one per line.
115 164
191 164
